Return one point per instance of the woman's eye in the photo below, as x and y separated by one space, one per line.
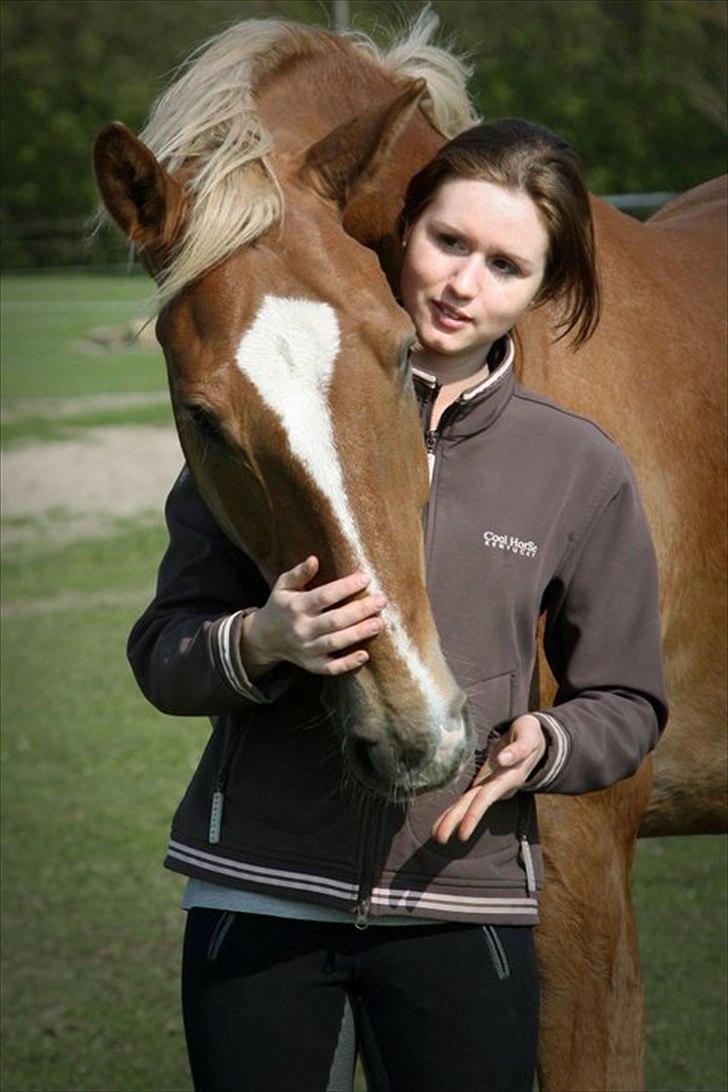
451 242
502 265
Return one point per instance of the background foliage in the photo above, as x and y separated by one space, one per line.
637 85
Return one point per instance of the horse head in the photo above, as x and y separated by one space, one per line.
288 373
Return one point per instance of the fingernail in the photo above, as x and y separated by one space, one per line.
506 756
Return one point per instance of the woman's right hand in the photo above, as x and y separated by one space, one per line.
308 628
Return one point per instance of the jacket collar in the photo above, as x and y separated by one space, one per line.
479 406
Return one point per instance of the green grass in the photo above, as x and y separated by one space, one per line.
92 925
44 429
91 776
680 899
126 560
46 317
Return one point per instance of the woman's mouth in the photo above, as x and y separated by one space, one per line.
449 318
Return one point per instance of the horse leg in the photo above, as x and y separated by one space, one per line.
591 1031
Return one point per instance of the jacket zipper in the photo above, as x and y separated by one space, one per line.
431 434
431 438
362 909
372 825
218 797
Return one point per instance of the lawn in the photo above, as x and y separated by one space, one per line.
45 323
91 775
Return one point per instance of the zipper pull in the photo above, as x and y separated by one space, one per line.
528 865
431 439
362 914
218 800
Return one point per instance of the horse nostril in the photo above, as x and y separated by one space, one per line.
412 758
362 753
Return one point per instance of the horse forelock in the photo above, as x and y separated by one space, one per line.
209 118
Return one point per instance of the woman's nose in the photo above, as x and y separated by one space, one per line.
465 277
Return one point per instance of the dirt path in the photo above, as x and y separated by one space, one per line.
80 486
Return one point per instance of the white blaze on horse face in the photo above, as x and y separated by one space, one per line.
289 353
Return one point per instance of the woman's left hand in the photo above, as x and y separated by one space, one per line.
508 764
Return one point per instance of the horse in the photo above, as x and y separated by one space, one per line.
262 196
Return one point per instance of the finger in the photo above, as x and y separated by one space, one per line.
328 595
500 788
332 643
514 753
485 796
465 814
340 665
350 615
299 576
485 771
446 823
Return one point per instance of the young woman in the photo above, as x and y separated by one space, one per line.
532 509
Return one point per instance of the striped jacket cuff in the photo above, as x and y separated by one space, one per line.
558 746
225 638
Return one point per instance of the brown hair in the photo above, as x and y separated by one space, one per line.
522 156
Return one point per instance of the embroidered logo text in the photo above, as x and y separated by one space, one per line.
510 543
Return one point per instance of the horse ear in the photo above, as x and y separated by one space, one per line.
357 155
144 199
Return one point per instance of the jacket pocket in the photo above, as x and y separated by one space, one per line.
490 704
497 953
221 930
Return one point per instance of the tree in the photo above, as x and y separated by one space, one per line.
638 86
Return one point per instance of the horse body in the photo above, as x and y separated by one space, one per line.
292 283
654 377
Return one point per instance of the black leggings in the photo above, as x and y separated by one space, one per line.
281 1005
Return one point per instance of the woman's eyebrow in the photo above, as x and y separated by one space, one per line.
503 252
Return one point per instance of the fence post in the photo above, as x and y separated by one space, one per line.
340 11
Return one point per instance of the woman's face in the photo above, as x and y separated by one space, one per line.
473 261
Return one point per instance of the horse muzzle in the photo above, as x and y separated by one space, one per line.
399 760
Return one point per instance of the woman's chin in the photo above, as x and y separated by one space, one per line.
445 344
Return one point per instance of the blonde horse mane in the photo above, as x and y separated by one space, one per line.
209 115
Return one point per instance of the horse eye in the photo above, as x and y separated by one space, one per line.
208 427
